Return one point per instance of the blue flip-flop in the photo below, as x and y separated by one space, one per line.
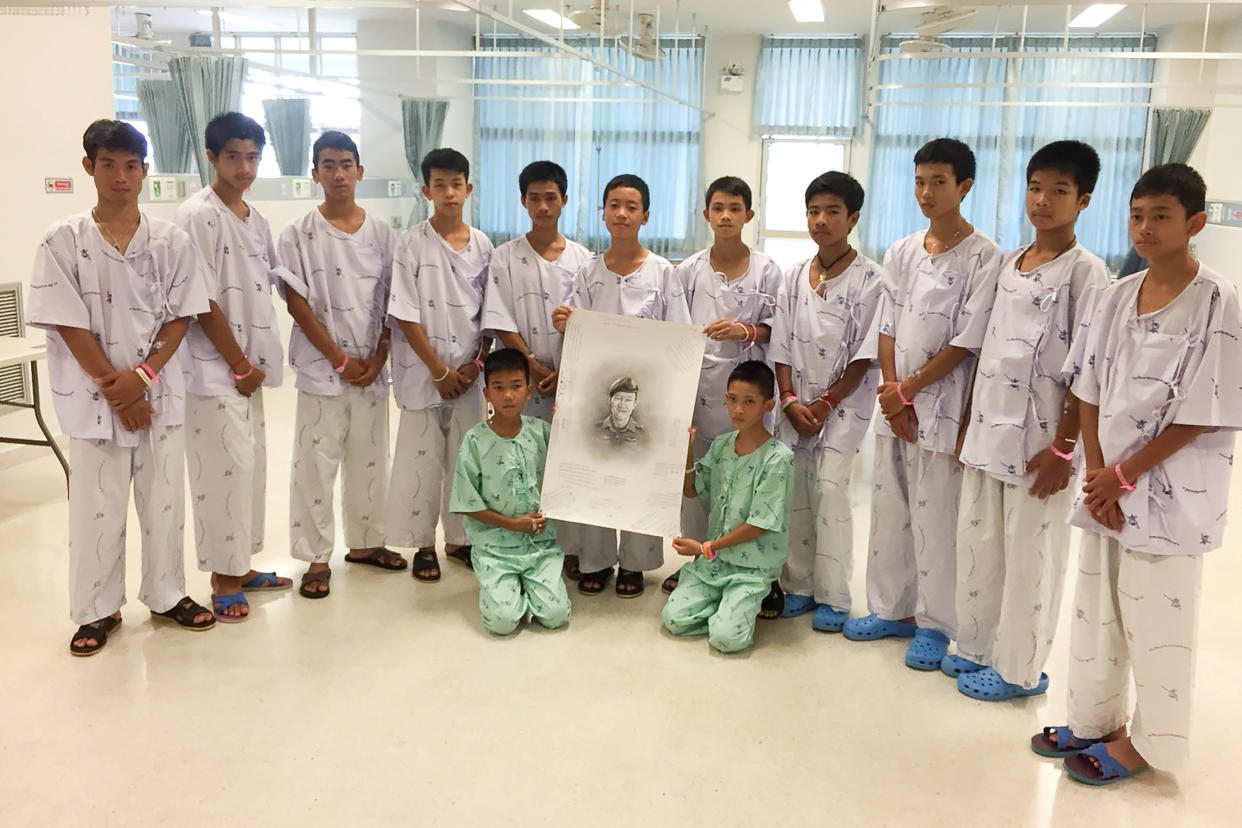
827 619
927 649
953 665
219 603
1080 768
266 581
796 605
872 627
1059 742
987 685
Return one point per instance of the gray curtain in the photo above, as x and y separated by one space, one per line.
207 86
422 121
1172 135
160 106
288 129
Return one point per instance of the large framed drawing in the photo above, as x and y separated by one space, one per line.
624 402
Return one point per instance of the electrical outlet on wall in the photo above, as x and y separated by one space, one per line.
394 189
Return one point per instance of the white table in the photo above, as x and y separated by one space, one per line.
16 350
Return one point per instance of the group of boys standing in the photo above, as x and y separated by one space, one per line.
988 367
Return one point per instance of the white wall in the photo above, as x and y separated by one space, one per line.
730 146
47 108
385 79
1216 159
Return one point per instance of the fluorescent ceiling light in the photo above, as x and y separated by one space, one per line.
807 11
1095 14
551 18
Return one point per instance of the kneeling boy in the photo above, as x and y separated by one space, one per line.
746 476
496 488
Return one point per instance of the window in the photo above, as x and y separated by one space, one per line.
980 101
595 127
789 164
809 86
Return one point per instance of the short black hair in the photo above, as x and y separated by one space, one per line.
543 171
113 135
840 184
224 128
948 151
757 374
629 180
444 158
1178 180
505 359
730 184
1074 158
333 139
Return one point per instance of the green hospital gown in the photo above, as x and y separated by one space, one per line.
517 572
722 597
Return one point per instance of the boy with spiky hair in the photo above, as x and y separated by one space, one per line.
824 339
436 309
933 322
232 353
496 489
1012 535
1160 403
115 290
338 267
630 280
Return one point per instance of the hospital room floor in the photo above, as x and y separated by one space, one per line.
388 703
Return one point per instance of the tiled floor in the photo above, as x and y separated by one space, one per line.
387 703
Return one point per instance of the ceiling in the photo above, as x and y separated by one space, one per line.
720 16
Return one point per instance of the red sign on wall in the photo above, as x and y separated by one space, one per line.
58 185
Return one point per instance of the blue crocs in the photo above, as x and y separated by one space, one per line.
870 627
827 619
987 685
796 605
1081 769
927 650
953 665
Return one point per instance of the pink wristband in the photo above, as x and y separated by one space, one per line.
479 363
1063 455
150 374
1125 484
901 395
708 552
340 369
249 371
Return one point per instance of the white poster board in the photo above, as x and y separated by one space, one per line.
624 402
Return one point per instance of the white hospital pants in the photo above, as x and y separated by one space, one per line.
1012 550
349 432
100 476
600 550
1134 615
912 559
821 528
422 476
226 458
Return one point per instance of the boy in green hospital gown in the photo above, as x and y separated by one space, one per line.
746 476
496 489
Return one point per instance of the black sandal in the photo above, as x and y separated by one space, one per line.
670 583
97 630
774 604
460 555
425 559
593 583
632 581
570 567
308 578
183 613
381 558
